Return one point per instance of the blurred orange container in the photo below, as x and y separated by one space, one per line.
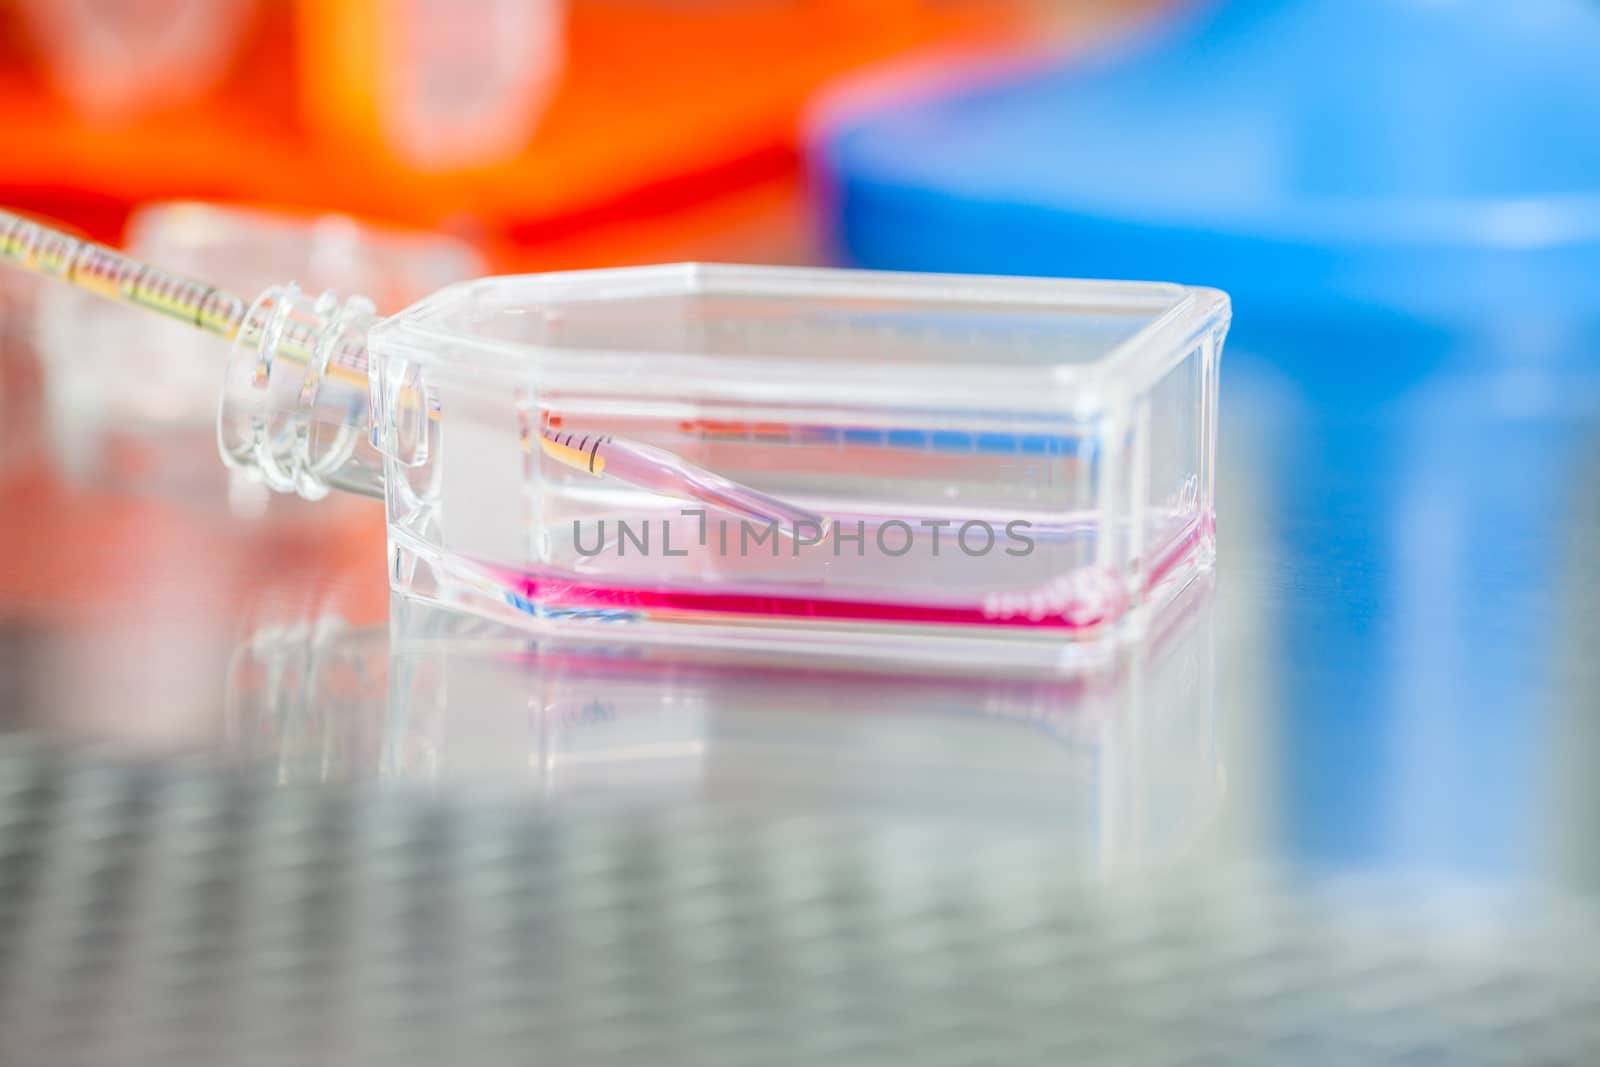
508 116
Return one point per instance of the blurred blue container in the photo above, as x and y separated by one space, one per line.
1403 198
1435 159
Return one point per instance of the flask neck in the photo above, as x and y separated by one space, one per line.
295 410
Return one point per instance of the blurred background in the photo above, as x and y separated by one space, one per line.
1338 808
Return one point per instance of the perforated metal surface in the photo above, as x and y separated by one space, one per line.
156 916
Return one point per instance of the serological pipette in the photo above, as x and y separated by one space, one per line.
329 339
